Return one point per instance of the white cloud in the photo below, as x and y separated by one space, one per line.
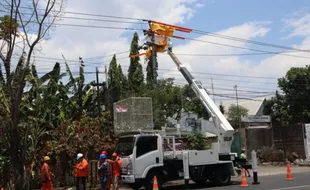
299 23
90 42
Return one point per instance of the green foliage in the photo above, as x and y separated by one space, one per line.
166 100
295 86
116 80
88 136
196 141
7 28
293 106
235 113
191 103
135 71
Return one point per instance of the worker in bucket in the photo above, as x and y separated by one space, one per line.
243 156
47 175
103 171
81 172
116 169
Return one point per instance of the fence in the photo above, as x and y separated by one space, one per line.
64 176
289 138
132 114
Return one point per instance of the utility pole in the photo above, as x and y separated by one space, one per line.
212 89
153 58
98 99
239 116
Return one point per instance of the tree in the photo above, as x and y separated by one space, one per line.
191 103
124 83
235 113
277 107
135 71
36 25
114 81
296 88
167 101
8 27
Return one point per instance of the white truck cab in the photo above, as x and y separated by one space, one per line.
146 155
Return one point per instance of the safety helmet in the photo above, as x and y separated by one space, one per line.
114 154
102 157
46 158
79 155
104 152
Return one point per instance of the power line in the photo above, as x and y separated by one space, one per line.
244 48
81 13
194 30
248 41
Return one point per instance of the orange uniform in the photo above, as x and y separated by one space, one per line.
47 177
81 169
117 167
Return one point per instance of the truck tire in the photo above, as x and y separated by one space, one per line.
200 181
221 176
135 186
150 179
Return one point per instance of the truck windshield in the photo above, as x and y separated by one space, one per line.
125 146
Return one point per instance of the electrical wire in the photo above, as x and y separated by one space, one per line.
194 30
244 48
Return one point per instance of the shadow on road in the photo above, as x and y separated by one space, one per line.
195 186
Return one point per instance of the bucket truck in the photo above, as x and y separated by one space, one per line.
154 153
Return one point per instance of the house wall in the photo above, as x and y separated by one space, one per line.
289 138
256 138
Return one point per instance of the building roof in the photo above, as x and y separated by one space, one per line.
252 105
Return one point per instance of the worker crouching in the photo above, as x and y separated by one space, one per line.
81 172
47 175
103 171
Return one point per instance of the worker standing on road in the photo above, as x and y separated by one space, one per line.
103 171
81 172
110 162
243 156
47 175
116 170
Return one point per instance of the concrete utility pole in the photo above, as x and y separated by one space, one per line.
239 116
153 58
212 89
98 99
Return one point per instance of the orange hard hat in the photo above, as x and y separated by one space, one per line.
114 154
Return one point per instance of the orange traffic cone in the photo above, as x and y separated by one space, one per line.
289 176
244 183
155 184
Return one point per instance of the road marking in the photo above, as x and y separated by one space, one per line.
295 187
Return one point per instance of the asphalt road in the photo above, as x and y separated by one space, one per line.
275 182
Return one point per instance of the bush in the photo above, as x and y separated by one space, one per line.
196 141
270 154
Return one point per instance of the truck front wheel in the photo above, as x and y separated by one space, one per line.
221 176
149 180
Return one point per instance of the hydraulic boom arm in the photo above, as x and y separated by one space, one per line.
224 130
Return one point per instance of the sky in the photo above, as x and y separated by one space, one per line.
282 23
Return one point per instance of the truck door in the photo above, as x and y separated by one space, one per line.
148 155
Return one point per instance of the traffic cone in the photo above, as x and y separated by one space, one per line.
155 184
244 183
289 176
